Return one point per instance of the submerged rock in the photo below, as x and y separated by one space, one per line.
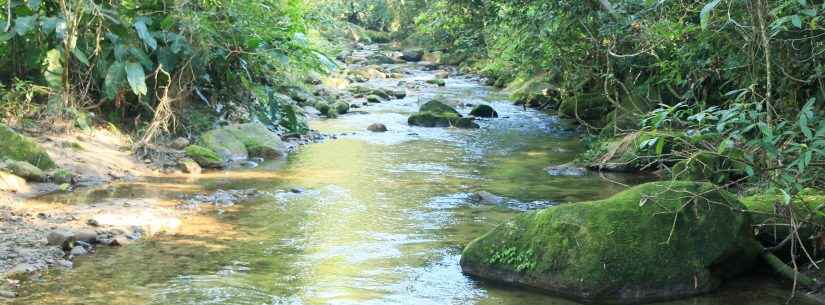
486 197
653 242
567 169
484 111
377 127
437 81
18 147
373 99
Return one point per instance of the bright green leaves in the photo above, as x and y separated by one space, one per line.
53 68
704 16
136 78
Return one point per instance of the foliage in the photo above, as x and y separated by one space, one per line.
138 60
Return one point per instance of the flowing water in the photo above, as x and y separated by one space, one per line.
382 220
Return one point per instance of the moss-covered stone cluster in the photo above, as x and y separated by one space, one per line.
436 113
236 142
652 242
15 146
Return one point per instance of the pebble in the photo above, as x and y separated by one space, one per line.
92 222
7 294
297 190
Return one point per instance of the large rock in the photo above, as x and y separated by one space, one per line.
62 238
437 106
17 147
653 242
241 141
484 111
12 183
377 127
27 171
413 55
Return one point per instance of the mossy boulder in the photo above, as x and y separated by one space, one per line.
413 55
15 146
437 81
437 106
653 242
341 107
373 99
205 157
62 176
436 113
484 111
258 140
27 171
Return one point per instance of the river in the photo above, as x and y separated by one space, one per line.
382 218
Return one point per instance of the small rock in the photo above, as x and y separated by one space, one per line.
62 238
92 222
78 251
7 294
180 143
377 127
87 236
120 241
442 74
486 198
189 166
373 99
567 169
297 190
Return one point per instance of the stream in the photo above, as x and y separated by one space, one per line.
382 217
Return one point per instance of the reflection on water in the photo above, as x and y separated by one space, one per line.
382 221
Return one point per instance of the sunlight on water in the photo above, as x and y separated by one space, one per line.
382 221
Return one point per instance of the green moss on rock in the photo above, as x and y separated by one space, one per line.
484 111
204 156
373 99
437 81
437 106
15 146
341 107
258 140
656 241
27 171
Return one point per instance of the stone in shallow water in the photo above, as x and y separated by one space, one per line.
377 127
567 169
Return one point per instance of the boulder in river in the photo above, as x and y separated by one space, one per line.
377 127
204 156
654 242
373 99
484 111
436 113
341 107
437 81
15 146
413 55
567 169
486 197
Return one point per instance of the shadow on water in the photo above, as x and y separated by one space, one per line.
382 221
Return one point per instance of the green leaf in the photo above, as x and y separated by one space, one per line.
144 34
142 57
796 21
81 57
136 78
34 5
809 12
114 78
23 25
704 16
